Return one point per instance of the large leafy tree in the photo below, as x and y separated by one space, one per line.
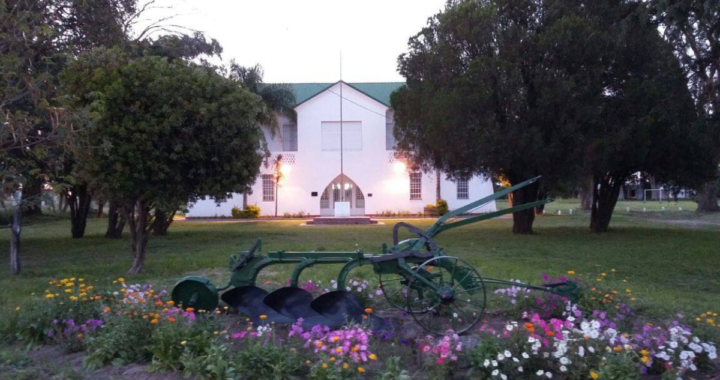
168 131
516 89
278 99
693 29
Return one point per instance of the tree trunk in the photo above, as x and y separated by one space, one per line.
116 221
586 195
605 195
79 201
438 195
162 222
523 220
245 198
539 210
15 230
137 216
33 197
707 197
101 206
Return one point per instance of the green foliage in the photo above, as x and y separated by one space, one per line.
442 207
122 340
393 370
215 363
619 366
250 212
170 342
263 358
43 321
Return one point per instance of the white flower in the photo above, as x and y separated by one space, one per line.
540 372
693 367
501 357
673 344
581 351
549 375
494 363
563 369
520 369
503 376
564 361
355 283
455 315
516 360
379 292
509 327
495 372
507 353
525 355
486 363
591 349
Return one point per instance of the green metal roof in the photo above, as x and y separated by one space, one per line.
379 91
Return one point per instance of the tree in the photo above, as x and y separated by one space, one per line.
277 99
693 28
562 89
168 132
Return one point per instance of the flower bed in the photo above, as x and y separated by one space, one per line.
527 336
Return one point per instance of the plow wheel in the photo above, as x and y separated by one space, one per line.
455 301
196 292
395 289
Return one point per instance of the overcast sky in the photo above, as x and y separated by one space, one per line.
301 40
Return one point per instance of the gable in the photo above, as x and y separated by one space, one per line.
378 91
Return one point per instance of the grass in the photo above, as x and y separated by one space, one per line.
670 267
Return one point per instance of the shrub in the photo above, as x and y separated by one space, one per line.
214 364
171 340
250 212
262 357
442 207
122 340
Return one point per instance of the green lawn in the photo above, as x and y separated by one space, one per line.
670 267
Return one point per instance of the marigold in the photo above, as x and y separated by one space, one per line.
171 319
571 272
361 369
170 303
594 375
49 296
332 358
368 310
154 322
529 325
372 357
80 335
190 309
263 317
345 366
324 365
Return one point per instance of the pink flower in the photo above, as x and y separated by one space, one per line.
441 361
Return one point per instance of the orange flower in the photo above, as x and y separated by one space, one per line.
263 317
549 333
190 309
154 322
80 336
368 310
529 326
171 319
430 268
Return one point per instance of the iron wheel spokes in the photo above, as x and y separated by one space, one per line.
455 303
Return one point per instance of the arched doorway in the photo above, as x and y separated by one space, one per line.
342 189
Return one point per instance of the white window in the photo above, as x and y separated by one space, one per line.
268 188
415 186
325 199
290 138
351 135
463 189
389 128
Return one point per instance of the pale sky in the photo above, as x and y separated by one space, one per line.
300 41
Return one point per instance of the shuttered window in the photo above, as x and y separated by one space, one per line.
330 135
415 186
463 189
268 188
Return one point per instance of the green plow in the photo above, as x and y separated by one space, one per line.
441 292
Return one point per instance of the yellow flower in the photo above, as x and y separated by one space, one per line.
345 366
154 322
81 279
319 343
121 279
612 270
603 274
594 375
332 358
644 352
571 272
324 365
263 317
372 357
170 303
184 342
617 348
361 369
338 350
68 290
89 288
73 298
645 359
17 308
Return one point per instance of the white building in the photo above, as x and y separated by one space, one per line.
374 181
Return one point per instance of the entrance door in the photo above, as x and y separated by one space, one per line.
342 189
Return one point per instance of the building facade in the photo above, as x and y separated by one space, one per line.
320 168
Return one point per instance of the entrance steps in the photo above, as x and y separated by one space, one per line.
329 220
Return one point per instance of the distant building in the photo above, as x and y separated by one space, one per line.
374 181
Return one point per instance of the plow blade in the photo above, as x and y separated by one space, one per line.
295 303
341 307
249 301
